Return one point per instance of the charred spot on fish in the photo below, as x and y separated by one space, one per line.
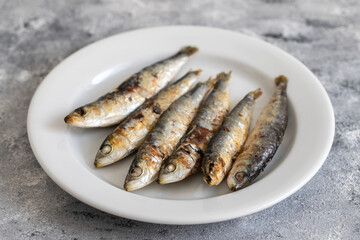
200 136
222 162
157 109
186 149
109 96
106 149
191 148
80 111
136 171
147 104
170 167
200 151
138 116
207 178
216 120
211 166
155 151
130 85
132 88
226 129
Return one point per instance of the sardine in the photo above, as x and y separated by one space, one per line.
164 137
131 132
187 158
263 140
228 140
114 106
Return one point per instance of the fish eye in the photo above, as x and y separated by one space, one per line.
106 149
81 111
240 176
170 167
136 172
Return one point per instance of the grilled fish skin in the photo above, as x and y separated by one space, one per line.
128 136
164 137
263 140
113 107
186 160
228 140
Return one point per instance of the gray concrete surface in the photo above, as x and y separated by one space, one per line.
36 35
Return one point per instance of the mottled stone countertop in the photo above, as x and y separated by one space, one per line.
37 35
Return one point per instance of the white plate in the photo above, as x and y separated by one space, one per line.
67 153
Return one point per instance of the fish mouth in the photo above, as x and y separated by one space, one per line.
74 120
166 178
213 174
76 117
69 119
209 179
133 185
102 162
239 186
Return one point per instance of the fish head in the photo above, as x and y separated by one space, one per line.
88 116
79 117
239 175
176 169
238 180
113 149
214 171
139 176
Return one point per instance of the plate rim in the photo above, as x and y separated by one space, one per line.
157 219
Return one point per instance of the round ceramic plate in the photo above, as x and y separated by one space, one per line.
67 153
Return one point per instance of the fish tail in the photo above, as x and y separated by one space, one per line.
190 73
219 77
281 80
195 72
257 93
188 50
211 82
224 76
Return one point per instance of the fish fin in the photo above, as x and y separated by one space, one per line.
211 82
224 76
220 76
188 50
281 80
257 93
196 72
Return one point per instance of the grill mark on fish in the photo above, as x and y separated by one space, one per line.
263 140
186 160
111 108
147 104
138 116
166 134
228 141
129 135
